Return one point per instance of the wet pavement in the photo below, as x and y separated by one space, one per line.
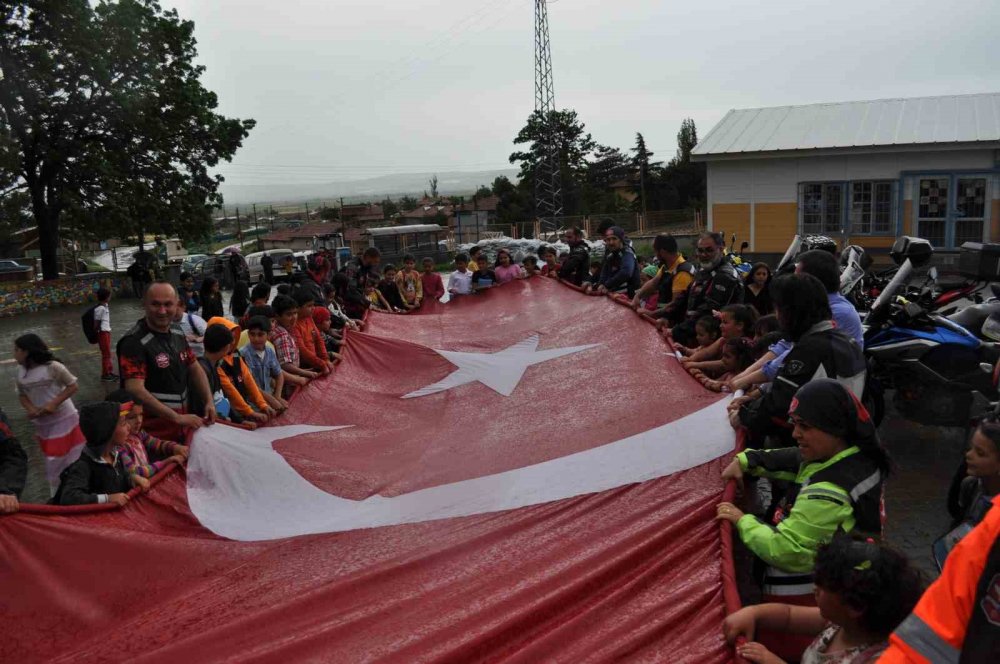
915 496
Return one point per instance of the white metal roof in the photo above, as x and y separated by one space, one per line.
402 230
883 122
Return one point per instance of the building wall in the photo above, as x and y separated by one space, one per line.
758 198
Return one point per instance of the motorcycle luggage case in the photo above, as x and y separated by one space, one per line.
917 249
979 261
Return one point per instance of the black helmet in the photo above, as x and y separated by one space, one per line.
823 242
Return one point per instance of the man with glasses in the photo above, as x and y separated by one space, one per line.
716 284
576 267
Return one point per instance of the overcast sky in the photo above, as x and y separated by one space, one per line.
354 89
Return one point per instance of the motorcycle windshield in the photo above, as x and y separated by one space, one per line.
894 286
790 253
850 277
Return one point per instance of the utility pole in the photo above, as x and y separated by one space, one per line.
548 183
256 230
343 222
239 227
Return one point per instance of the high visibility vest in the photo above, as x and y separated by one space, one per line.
958 618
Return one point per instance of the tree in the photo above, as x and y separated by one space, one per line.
433 182
389 208
111 127
407 203
483 191
687 138
642 166
574 145
514 204
329 213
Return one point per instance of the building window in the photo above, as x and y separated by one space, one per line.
872 208
862 207
822 207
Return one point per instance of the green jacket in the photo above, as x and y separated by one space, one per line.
818 511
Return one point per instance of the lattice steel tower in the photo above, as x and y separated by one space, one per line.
548 182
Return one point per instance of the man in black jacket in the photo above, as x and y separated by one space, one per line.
716 284
576 267
13 468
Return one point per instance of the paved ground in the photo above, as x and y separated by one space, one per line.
915 501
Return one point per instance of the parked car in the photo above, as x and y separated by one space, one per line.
216 265
9 265
256 270
189 262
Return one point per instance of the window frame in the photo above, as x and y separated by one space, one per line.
848 224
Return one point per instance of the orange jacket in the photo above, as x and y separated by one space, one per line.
308 338
935 631
231 390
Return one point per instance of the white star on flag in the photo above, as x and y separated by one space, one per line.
501 371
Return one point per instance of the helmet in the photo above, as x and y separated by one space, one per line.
819 242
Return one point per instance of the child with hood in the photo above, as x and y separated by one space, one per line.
143 455
98 476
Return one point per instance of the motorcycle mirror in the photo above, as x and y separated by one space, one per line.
744 245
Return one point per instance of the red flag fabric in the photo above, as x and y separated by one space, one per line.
523 475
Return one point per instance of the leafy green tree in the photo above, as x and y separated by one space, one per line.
103 107
329 213
407 203
515 203
433 182
483 191
389 208
574 145
687 138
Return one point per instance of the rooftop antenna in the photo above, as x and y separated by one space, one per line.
548 183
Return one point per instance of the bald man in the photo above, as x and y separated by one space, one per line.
158 367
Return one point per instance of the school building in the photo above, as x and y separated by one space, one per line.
862 172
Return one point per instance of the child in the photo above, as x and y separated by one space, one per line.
863 591
651 302
98 476
376 301
331 337
551 267
139 447
286 313
737 355
45 389
263 363
239 302
390 290
706 333
237 382
409 283
312 349
264 310
595 273
193 327
218 340
735 320
190 299
211 298
983 467
102 320
506 269
460 281
338 317
529 266
433 287
484 277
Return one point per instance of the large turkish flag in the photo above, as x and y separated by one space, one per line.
522 475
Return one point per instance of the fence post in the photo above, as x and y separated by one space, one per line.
586 225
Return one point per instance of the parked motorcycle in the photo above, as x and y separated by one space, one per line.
941 372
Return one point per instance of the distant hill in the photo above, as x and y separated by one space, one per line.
412 184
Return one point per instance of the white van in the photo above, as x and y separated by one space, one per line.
257 270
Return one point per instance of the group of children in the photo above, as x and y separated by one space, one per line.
405 289
729 342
